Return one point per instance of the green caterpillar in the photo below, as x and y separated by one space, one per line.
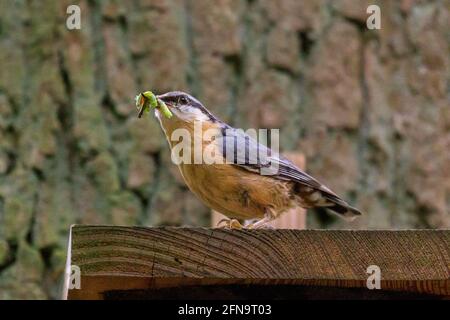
148 99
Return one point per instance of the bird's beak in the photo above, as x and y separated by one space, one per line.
164 106
162 97
168 102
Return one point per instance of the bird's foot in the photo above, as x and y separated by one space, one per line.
253 224
229 224
264 222
257 225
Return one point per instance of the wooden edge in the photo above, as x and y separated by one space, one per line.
67 270
130 258
97 287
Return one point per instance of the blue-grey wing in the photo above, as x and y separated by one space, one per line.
245 151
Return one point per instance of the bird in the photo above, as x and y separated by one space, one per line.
238 188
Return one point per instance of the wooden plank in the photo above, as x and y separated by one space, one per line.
117 259
293 219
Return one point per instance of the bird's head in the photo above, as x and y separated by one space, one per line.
186 110
184 107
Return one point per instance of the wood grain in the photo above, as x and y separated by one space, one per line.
124 258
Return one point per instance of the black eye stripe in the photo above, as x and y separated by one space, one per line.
177 99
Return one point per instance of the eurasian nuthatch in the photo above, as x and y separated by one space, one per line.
237 188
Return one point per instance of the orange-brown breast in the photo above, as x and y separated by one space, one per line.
234 191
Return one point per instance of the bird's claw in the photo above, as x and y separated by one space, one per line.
235 224
229 224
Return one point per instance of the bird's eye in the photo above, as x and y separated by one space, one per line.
183 100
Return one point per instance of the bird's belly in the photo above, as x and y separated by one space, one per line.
236 192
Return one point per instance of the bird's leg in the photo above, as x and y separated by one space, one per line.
229 224
262 223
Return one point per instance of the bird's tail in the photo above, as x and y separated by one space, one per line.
339 206
345 211
322 197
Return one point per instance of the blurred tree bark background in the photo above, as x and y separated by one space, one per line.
369 108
